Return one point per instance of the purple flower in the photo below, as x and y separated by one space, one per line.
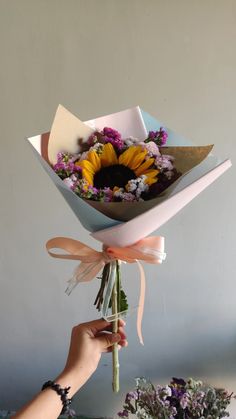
92 139
110 132
110 135
66 167
124 414
108 194
60 156
152 135
187 400
70 166
131 395
159 137
107 135
77 168
59 166
163 136
178 381
184 401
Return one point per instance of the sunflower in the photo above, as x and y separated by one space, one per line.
107 169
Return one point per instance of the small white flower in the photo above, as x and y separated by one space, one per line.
130 141
69 182
84 156
97 146
169 174
137 187
131 187
168 391
73 178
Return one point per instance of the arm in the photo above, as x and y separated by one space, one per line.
88 342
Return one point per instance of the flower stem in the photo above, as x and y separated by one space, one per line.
115 310
118 276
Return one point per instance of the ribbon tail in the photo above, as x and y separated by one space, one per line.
85 272
141 302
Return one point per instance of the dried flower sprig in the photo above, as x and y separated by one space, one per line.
179 399
159 137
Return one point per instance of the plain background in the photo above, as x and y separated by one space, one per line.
176 59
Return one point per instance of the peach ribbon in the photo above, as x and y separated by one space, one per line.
149 249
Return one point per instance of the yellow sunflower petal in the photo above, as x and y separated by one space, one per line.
115 189
127 157
85 186
87 171
140 170
151 176
151 172
150 181
88 177
108 156
87 165
137 160
94 160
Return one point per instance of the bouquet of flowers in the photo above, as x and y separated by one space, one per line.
179 399
108 168
122 182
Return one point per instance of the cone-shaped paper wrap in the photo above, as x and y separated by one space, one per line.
198 166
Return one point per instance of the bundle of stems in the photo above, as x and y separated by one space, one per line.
115 305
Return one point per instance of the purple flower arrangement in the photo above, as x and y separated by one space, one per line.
178 400
107 135
111 169
159 137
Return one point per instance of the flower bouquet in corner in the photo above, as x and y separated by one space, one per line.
179 399
124 176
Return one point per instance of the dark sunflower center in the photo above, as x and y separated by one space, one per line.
111 176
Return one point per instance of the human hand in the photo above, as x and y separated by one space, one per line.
88 342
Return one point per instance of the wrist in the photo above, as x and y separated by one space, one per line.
69 379
61 392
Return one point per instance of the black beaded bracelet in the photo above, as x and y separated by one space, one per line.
62 392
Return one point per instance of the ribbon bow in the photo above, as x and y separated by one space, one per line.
149 249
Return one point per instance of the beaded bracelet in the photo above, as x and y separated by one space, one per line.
62 392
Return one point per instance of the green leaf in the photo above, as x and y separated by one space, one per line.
123 301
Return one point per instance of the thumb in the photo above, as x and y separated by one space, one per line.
108 339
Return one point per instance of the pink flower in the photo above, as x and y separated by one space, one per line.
152 148
164 162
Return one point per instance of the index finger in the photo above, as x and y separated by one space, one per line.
101 324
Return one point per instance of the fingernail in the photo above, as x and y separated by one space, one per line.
116 337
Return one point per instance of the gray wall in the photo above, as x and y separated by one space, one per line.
176 59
